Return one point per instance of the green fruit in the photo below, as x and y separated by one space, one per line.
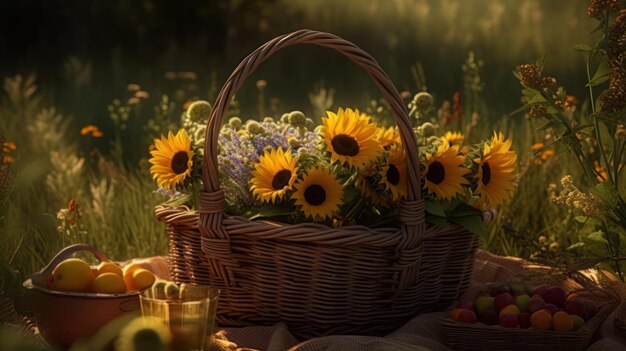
578 322
485 303
522 302
172 291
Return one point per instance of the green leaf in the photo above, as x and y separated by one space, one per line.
598 236
581 219
264 212
581 48
435 208
463 209
474 223
575 246
437 220
602 75
178 201
608 193
535 100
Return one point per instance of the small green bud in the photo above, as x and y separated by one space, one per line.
234 122
199 111
284 118
423 101
268 120
428 129
302 152
171 291
297 119
293 142
309 124
254 127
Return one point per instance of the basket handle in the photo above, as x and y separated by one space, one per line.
215 240
40 277
346 48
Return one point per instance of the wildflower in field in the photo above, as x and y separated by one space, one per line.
538 111
351 138
444 172
6 155
319 193
132 87
273 175
92 130
389 136
495 176
172 159
544 155
394 174
597 7
144 333
572 197
614 99
454 138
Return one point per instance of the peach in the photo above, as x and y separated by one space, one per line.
541 320
561 321
510 309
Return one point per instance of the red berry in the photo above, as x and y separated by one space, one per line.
503 300
467 316
524 320
555 295
509 320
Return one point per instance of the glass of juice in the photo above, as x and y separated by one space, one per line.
188 310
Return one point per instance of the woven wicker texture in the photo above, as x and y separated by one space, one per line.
420 332
493 268
318 280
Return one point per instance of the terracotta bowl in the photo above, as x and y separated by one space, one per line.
66 317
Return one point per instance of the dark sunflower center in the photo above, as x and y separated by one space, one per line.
281 179
486 173
393 176
436 173
315 195
179 162
345 145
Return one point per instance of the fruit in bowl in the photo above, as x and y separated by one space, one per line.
543 307
72 300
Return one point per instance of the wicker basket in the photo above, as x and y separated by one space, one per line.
318 280
463 336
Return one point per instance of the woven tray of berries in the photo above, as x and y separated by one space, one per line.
517 316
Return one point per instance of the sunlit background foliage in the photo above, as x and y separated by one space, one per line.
87 86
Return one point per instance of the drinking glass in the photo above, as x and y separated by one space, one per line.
188 310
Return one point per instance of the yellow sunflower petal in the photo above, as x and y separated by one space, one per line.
318 194
444 172
495 177
351 138
171 160
274 175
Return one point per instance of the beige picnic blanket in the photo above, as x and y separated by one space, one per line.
419 334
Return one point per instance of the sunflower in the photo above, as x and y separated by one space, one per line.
454 138
172 159
444 171
388 136
273 175
367 187
319 193
351 138
394 174
495 172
